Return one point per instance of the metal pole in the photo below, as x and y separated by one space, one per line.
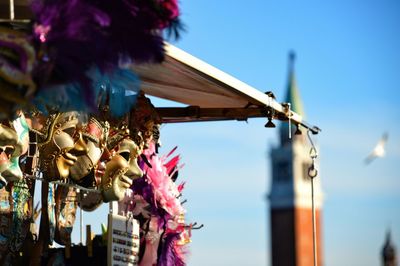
312 173
314 223
80 195
12 15
81 222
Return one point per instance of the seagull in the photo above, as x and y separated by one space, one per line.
379 150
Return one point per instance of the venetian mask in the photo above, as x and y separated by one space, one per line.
121 170
17 57
14 142
62 146
84 168
144 119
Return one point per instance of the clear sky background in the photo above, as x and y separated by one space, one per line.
348 72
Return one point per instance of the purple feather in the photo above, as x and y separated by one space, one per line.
169 256
69 33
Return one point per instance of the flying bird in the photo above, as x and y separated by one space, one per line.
379 150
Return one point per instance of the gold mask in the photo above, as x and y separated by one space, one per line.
121 170
93 134
144 119
62 146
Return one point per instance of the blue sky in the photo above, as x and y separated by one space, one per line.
347 69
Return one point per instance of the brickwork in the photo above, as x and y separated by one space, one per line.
304 237
291 237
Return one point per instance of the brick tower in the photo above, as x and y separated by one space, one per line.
290 196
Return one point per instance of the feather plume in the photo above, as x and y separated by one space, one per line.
72 37
170 253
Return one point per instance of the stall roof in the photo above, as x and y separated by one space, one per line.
209 93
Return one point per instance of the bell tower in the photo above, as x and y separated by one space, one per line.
290 195
389 257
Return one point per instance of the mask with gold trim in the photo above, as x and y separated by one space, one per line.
61 147
121 170
83 171
144 119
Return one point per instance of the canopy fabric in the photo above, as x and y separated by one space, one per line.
209 93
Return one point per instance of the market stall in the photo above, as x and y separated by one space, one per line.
76 121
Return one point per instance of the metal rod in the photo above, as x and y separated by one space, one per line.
81 224
200 114
314 224
12 15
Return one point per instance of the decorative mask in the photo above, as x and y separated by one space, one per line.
13 143
17 57
144 120
62 146
94 134
7 136
65 213
121 170
89 201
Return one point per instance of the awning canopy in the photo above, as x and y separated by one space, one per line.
209 93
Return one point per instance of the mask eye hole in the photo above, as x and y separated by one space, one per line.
9 151
70 131
125 154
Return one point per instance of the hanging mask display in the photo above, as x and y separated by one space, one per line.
72 57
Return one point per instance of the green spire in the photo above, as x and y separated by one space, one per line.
292 97
292 93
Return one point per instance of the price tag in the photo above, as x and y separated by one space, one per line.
123 240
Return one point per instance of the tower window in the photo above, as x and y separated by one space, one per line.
283 171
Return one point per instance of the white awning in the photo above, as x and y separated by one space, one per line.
209 93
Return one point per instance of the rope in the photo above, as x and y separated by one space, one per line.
312 173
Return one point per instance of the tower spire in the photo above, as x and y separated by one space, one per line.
292 58
292 91
292 97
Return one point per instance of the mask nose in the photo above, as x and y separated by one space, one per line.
134 170
80 147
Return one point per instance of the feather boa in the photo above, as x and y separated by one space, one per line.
158 176
171 254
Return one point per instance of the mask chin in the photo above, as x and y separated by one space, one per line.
130 151
85 163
